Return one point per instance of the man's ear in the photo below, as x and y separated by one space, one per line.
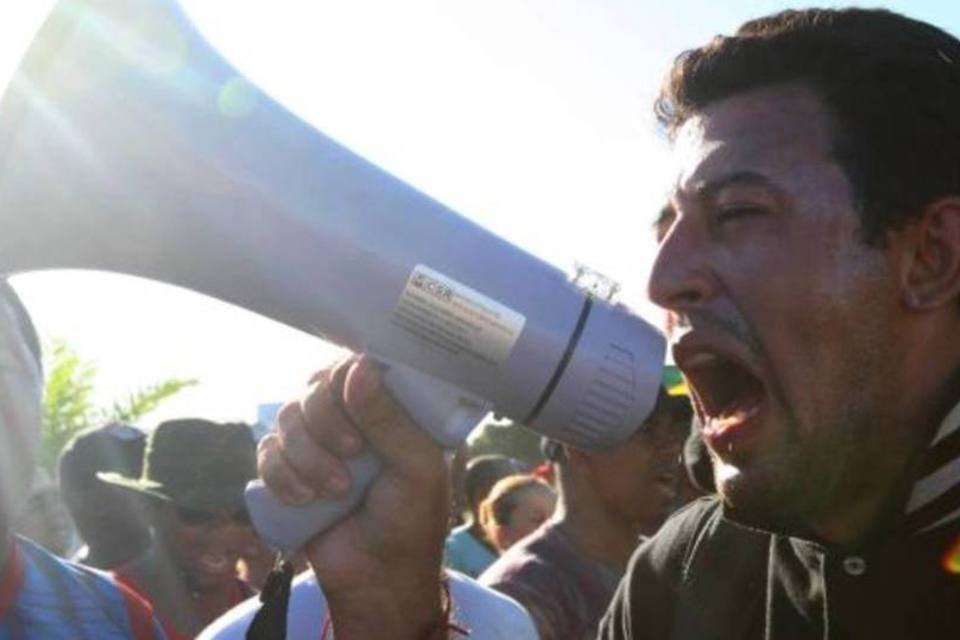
931 266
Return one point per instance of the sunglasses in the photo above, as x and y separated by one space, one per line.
201 517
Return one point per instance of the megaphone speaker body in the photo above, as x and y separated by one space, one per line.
128 144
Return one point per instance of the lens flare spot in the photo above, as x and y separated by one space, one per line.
237 98
951 559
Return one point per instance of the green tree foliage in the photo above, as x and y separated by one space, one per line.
68 405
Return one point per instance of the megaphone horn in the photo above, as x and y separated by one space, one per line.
128 144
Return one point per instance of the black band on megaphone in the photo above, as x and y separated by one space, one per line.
564 361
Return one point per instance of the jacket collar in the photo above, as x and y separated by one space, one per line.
934 499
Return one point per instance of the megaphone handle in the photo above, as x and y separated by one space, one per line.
447 412
287 527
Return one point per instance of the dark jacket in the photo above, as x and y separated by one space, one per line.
704 577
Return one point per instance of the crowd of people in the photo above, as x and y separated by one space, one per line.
162 513
809 262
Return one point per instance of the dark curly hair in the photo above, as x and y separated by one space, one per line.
892 85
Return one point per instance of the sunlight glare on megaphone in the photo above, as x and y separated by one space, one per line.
120 157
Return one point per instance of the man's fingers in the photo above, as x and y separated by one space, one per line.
277 474
326 419
346 407
384 423
313 464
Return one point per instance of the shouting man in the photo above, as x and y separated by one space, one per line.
812 267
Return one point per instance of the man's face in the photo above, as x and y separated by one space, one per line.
20 390
639 479
779 310
205 547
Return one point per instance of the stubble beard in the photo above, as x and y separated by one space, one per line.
769 491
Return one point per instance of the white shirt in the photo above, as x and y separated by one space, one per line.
487 614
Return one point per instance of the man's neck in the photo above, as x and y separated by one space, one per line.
599 535
883 500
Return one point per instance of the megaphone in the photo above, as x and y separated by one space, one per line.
128 144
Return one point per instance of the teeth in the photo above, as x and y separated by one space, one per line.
722 423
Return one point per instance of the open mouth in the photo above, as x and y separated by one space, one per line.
725 391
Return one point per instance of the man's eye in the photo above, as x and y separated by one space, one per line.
738 212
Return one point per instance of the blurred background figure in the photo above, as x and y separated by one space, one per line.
467 549
458 493
42 596
112 523
516 506
44 518
566 572
256 560
194 473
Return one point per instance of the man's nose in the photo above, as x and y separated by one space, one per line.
681 278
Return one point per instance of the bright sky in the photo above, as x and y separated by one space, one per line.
530 116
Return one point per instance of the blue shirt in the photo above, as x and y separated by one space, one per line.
47 598
464 553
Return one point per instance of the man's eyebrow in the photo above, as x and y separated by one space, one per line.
708 188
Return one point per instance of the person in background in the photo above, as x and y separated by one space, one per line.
567 571
467 549
112 522
516 506
44 519
194 473
256 560
43 597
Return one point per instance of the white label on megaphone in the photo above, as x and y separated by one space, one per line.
450 316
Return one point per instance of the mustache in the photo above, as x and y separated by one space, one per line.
734 328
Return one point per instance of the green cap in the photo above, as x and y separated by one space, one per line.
195 463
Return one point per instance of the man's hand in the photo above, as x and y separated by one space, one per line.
380 566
